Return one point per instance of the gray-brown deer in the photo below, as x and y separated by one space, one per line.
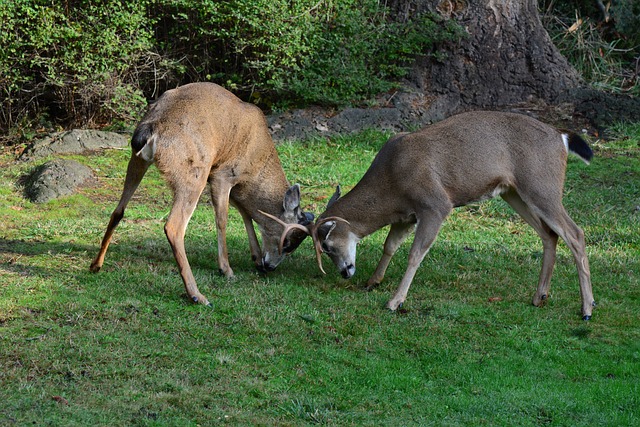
418 178
201 133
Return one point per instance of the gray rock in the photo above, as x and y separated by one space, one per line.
314 122
404 110
356 119
74 142
54 179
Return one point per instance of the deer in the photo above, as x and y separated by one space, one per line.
201 133
417 179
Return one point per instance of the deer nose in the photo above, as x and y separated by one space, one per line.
348 271
264 266
308 218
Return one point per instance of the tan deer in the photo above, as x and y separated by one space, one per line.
201 133
418 178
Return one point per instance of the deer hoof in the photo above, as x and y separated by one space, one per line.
202 301
393 306
540 301
371 286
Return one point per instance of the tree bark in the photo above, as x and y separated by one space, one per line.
507 61
506 58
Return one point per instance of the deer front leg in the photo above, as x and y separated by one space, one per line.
183 206
220 190
426 232
254 246
397 234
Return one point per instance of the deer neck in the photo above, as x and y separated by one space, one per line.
263 191
363 210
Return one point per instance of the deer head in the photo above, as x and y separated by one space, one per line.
275 248
297 232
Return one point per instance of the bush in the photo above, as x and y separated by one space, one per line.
84 63
282 51
603 44
75 61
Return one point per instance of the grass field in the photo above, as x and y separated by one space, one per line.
125 347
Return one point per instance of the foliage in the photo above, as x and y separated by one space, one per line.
602 44
78 61
353 56
295 347
84 63
327 52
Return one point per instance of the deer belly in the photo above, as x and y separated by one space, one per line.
479 195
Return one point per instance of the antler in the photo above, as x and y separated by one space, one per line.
312 231
287 228
316 240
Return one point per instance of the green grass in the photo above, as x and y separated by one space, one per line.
125 347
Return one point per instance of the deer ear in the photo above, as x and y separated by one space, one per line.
335 197
326 229
292 198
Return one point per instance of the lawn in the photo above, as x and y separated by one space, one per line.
125 347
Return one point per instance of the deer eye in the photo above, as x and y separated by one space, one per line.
326 248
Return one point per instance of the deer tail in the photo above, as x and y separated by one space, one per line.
143 143
578 146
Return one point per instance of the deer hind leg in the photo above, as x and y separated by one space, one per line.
559 222
220 191
549 244
184 204
573 236
135 171
427 229
397 234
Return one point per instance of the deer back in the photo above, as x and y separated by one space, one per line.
466 158
203 128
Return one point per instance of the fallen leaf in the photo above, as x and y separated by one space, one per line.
60 400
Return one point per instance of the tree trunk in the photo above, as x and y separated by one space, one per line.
507 57
506 61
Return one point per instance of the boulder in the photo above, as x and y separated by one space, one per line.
54 179
74 142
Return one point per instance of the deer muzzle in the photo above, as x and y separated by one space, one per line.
348 271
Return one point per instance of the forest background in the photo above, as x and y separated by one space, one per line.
77 63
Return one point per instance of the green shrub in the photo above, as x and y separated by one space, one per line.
77 61
279 51
359 53
84 63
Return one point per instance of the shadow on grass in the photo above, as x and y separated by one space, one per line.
151 251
